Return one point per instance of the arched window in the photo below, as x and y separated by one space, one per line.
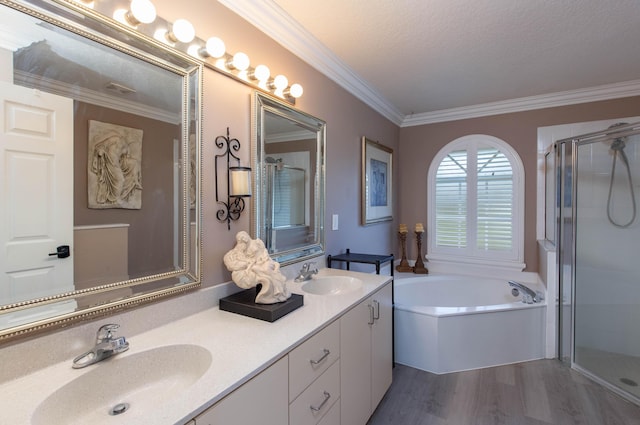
476 204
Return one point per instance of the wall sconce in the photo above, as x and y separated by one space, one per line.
238 181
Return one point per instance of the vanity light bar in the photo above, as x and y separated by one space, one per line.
181 35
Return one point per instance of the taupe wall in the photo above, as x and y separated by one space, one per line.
227 104
418 146
149 250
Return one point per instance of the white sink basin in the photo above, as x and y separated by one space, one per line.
332 285
134 383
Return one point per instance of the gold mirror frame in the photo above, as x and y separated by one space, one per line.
84 22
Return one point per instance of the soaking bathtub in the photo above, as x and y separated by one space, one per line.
447 323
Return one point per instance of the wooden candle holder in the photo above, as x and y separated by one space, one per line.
404 264
419 267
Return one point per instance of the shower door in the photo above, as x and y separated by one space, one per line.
564 247
602 261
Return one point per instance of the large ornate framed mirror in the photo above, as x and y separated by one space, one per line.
288 150
100 166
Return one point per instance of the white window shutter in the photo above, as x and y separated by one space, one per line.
494 220
451 201
476 209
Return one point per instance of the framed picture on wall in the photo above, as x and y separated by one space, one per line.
377 188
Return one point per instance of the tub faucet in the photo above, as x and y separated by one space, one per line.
306 272
529 296
106 346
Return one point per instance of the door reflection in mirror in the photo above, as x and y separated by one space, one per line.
124 242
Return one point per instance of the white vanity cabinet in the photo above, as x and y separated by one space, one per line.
366 356
263 400
314 377
336 376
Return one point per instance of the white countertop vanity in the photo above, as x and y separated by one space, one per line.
314 365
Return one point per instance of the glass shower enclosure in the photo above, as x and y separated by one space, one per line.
287 203
598 243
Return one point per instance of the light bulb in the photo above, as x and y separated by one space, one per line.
280 82
240 62
214 48
295 90
261 73
141 11
182 30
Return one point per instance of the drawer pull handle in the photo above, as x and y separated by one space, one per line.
376 308
321 359
372 315
327 396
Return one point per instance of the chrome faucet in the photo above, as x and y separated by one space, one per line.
106 346
529 296
306 272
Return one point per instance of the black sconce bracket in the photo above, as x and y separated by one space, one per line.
234 205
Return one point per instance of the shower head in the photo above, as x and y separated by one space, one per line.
617 147
616 144
275 162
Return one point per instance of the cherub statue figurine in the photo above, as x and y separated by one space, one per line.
250 264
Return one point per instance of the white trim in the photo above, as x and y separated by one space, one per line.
100 226
290 136
95 98
268 17
571 97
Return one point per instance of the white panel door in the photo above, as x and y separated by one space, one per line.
36 215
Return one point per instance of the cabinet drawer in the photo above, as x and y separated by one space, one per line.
312 358
333 417
317 400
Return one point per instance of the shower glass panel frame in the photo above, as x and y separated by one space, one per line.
289 188
598 267
287 206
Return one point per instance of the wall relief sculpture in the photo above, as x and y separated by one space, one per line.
114 166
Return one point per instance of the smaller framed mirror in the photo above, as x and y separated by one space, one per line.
288 150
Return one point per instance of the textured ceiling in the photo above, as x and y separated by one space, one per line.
429 55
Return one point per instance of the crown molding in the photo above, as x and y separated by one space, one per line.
289 136
571 97
268 17
95 98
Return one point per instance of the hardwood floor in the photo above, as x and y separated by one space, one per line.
541 392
